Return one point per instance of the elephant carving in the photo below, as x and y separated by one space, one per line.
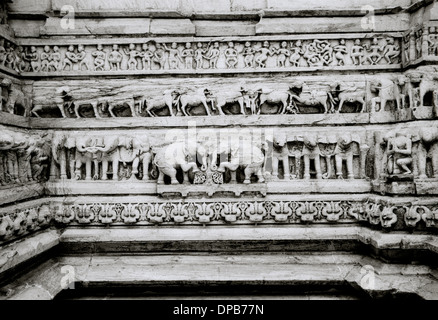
345 151
248 156
311 152
178 155
88 151
279 153
114 150
142 153
63 155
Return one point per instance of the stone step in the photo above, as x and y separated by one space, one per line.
246 274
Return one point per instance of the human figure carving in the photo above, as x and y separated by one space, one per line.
70 58
296 53
231 56
146 57
282 54
391 51
199 56
174 55
132 53
46 56
374 57
187 54
212 55
399 151
341 53
115 58
265 51
54 60
81 55
357 53
248 55
99 58
159 56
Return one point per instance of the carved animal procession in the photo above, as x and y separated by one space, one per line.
379 94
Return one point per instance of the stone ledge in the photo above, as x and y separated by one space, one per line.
190 270
319 120
54 27
20 251
19 193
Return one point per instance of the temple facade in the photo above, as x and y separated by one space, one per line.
261 148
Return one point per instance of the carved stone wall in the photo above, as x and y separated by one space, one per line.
229 113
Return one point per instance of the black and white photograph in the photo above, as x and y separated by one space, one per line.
214 158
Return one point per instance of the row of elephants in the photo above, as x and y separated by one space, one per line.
93 156
382 93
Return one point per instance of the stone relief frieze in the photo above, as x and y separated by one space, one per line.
24 158
386 93
383 213
375 212
21 222
208 160
214 54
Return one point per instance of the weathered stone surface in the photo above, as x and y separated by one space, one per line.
321 4
172 26
208 28
55 27
27 28
247 130
17 252
323 25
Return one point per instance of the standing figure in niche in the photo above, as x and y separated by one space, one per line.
432 39
199 55
174 55
392 51
399 151
418 43
213 55
132 53
115 58
341 53
248 55
45 59
82 54
231 56
296 53
55 60
283 53
188 53
99 58
357 53
263 56
159 56
146 56
70 58
375 57
2 53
